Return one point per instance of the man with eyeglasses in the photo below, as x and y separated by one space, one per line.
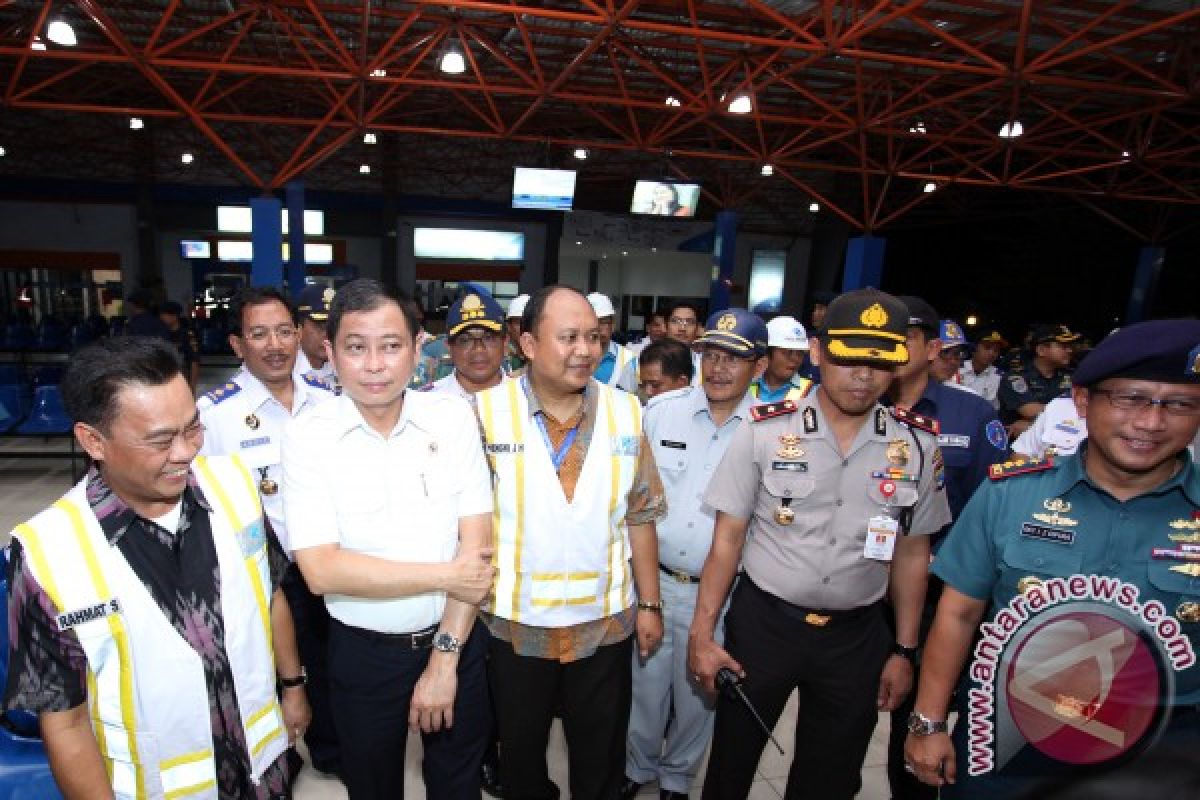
683 325
944 367
825 504
475 334
148 628
689 431
246 417
1086 570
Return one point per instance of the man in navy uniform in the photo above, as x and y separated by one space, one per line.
1026 391
1087 566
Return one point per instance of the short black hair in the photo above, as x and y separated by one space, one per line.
535 309
98 371
673 357
256 296
673 307
660 314
366 294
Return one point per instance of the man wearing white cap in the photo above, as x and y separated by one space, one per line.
787 345
615 356
513 360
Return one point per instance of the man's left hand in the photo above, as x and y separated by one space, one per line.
432 706
649 632
296 712
895 682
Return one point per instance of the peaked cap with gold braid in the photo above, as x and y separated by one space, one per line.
866 325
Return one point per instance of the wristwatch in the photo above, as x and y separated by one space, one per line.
646 605
921 725
446 642
907 652
292 683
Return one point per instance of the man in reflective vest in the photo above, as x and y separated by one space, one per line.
787 345
577 494
148 627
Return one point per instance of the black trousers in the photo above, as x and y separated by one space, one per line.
904 784
593 696
311 620
372 679
835 667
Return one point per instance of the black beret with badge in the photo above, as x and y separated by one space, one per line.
866 325
1163 350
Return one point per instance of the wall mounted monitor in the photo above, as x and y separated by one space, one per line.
195 248
665 198
543 189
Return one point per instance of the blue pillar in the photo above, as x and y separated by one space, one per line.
1145 281
864 262
724 246
266 236
294 195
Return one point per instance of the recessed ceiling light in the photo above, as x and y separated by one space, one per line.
136 123
364 169
624 252
3 152
929 187
37 44
581 153
1124 154
452 62
187 158
918 127
673 101
767 170
741 104
1011 130
579 244
369 138
814 207
61 32
379 73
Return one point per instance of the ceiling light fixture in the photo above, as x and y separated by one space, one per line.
379 73
581 153
136 123
3 152
369 138
1124 154
453 62
972 320
1011 130
187 158
814 207
767 170
61 33
673 101
929 187
918 127
741 104
37 44
364 169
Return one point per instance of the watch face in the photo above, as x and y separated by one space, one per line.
446 643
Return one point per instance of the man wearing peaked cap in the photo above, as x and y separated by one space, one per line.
1080 681
614 356
787 347
689 431
475 333
312 307
826 503
1024 393
950 358
979 372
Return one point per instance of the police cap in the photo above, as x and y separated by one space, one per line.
474 310
1053 333
314 302
1163 350
866 325
737 330
920 313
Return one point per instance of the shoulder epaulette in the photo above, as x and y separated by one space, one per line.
915 420
1007 469
317 381
222 393
769 410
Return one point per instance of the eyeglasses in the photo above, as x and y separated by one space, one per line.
1136 401
285 333
484 340
713 359
685 321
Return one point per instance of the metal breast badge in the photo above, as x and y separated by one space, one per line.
789 447
252 422
897 453
1057 508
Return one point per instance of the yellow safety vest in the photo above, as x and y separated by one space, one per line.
147 695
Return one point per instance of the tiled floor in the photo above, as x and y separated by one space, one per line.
27 486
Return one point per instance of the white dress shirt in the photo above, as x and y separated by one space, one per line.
397 497
986 383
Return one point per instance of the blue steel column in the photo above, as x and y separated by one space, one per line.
864 262
724 247
294 195
1145 282
266 236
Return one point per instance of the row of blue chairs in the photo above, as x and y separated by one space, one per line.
43 414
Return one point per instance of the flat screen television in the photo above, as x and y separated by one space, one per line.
195 248
665 198
543 189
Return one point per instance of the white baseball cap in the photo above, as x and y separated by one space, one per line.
517 307
601 305
788 333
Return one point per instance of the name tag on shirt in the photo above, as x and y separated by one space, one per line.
261 440
674 445
1056 535
497 448
790 466
953 440
881 538
70 619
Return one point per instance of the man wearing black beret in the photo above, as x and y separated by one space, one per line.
1087 569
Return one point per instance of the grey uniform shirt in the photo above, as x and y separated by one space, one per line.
688 447
817 560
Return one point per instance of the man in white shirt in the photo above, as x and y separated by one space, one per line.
246 417
979 371
475 335
312 307
388 503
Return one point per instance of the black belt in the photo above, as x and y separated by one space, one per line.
678 575
816 617
417 640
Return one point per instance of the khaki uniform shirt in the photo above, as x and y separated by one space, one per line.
816 560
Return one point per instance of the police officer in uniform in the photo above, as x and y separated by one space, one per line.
475 336
971 439
787 346
827 503
246 417
312 307
689 431
1087 567
1026 391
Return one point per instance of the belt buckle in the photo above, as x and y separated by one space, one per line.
423 639
817 620
681 577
